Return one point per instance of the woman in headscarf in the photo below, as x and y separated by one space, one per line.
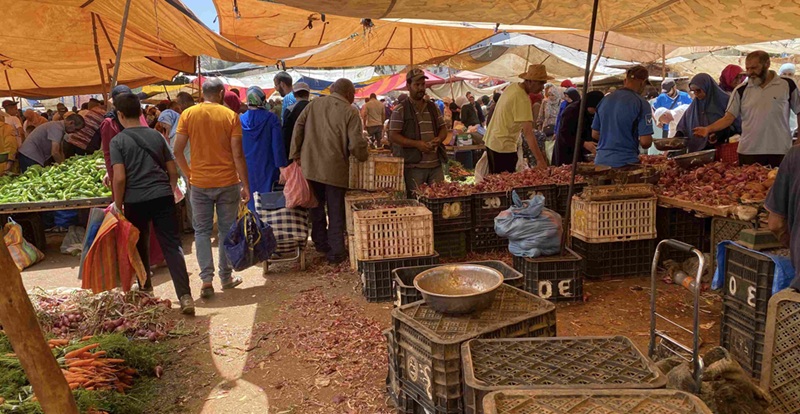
708 106
570 95
32 118
168 125
262 141
731 77
469 115
549 112
568 128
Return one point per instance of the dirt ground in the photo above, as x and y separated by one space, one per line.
308 342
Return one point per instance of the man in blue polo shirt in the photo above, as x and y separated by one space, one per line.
624 121
670 99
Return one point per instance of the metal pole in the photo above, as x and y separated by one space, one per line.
663 61
99 63
411 44
599 55
124 26
581 121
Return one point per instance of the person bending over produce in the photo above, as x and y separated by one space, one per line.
783 204
8 147
145 177
44 143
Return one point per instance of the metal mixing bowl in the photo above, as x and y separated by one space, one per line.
458 288
695 159
670 144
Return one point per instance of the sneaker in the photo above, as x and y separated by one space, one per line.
187 305
232 283
207 292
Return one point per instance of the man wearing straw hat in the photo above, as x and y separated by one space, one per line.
513 114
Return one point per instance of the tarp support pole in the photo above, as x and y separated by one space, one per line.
115 81
411 44
581 121
599 55
663 61
8 82
97 56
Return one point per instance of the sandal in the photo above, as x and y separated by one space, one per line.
207 292
235 281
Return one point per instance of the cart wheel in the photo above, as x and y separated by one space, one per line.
265 268
302 259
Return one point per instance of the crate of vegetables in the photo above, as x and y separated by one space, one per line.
450 204
392 230
377 173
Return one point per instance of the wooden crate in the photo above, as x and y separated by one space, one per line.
613 221
393 233
377 173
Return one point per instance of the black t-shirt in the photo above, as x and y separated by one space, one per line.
145 179
288 124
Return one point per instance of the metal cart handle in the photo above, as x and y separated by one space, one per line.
697 361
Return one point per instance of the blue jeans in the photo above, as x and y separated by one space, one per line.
204 201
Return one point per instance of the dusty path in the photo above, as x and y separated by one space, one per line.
308 342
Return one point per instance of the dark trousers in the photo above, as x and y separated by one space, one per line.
161 212
500 162
763 159
25 162
327 231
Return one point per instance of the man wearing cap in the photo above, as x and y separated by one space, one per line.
110 127
11 115
374 115
624 121
512 115
416 132
302 93
764 102
670 98
44 142
326 134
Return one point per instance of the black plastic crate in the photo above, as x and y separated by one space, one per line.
485 239
429 343
580 363
451 243
376 275
550 193
744 339
563 197
407 293
486 206
726 229
558 278
748 278
681 225
615 259
450 214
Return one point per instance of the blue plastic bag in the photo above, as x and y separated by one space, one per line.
250 241
531 229
784 271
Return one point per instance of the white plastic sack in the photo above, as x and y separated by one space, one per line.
73 241
531 229
482 168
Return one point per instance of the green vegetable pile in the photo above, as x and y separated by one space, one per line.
76 178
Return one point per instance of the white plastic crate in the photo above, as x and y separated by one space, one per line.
612 221
377 173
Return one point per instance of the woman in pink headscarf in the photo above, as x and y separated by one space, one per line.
231 100
731 77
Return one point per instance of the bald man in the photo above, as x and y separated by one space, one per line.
325 135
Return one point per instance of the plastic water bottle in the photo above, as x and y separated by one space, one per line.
681 278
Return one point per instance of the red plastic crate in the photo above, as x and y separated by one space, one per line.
728 153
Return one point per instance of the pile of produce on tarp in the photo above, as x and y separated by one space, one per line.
501 182
106 347
718 184
78 177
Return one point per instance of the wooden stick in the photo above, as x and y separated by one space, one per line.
19 323
115 80
99 64
599 55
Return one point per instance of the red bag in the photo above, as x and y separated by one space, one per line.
297 191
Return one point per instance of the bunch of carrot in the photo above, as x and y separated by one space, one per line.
93 370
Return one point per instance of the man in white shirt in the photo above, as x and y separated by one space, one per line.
765 101
11 115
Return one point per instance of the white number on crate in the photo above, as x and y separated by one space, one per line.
426 380
732 286
413 369
492 202
751 296
546 288
451 210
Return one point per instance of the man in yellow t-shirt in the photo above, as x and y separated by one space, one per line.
513 115
218 177
8 146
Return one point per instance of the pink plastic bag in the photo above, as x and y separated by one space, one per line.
297 191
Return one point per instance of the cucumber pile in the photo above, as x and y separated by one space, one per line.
76 178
